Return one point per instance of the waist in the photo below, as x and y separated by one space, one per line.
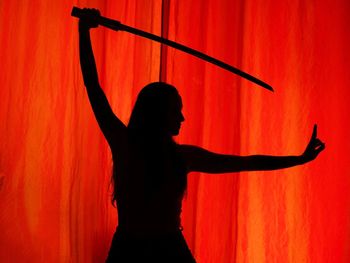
149 220
148 231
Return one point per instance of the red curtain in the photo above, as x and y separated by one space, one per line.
55 165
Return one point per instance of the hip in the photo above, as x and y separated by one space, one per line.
157 247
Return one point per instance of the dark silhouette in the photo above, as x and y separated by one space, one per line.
150 168
118 26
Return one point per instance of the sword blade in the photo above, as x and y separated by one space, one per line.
117 26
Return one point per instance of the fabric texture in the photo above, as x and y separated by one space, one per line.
55 165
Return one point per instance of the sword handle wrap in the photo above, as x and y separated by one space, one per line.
77 12
103 21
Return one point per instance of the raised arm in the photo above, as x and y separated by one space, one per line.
201 160
112 128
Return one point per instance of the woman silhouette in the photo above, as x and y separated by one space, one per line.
150 169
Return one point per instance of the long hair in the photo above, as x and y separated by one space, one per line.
147 129
150 111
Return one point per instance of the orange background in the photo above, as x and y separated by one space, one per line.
55 165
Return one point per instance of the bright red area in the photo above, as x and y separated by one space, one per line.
55 165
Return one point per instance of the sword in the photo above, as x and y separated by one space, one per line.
118 26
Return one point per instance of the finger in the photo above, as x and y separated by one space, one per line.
96 11
314 132
317 142
321 148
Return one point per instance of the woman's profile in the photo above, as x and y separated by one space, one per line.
150 168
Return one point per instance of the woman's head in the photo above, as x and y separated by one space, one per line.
157 110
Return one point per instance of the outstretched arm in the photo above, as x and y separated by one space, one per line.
110 125
201 160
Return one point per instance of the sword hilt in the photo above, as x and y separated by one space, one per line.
116 25
101 20
77 12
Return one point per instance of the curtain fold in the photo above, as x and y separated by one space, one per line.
55 165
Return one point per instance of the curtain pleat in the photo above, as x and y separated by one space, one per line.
55 165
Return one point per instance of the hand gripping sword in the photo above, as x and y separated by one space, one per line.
118 26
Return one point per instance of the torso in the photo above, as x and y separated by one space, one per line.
150 183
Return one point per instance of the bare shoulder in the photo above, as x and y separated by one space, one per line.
194 156
202 160
188 150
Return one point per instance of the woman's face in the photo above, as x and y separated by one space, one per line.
174 116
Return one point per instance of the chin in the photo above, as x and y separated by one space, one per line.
176 132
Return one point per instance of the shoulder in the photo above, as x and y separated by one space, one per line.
187 150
